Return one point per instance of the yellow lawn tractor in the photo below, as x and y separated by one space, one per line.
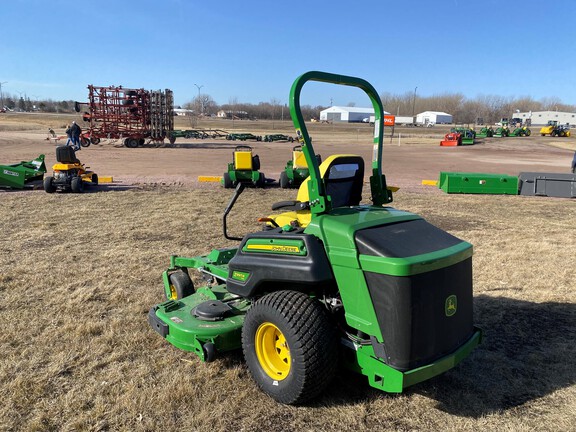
69 174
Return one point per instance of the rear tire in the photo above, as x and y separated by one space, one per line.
228 181
290 346
49 185
84 142
131 143
284 180
95 179
261 182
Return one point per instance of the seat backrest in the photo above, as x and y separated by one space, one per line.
298 159
243 159
343 177
66 155
344 180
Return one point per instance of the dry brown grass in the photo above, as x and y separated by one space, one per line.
79 273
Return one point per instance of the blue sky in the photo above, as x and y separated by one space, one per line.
253 50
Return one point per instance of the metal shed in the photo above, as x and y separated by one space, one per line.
346 114
540 118
433 117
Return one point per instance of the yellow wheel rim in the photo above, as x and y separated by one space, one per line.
173 295
272 351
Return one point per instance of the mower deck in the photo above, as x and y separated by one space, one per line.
209 316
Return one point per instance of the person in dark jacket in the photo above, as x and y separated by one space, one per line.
75 132
574 164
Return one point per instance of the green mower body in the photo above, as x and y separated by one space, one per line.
296 169
341 280
244 168
23 174
485 132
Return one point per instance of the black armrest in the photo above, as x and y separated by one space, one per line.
291 205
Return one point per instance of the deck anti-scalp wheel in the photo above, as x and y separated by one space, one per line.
290 346
180 285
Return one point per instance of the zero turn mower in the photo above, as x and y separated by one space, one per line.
69 173
328 280
244 169
296 169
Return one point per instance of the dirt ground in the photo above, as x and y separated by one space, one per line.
408 159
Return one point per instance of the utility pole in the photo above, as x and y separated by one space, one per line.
199 100
414 107
2 95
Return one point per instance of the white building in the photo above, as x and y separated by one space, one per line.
346 114
183 112
540 118
434 117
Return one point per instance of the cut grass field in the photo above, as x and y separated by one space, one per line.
80 272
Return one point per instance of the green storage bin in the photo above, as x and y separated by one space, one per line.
478 183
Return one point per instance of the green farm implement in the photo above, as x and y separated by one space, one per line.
328 280
198 133
278 137
23 174
243 137
244 168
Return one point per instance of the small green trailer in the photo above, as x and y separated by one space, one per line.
23 174
479 183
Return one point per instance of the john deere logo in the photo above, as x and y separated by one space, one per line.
451 305
240 276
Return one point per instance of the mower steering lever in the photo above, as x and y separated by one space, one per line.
239 189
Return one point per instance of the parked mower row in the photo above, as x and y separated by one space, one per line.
465 136
245 167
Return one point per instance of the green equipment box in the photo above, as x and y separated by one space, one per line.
479 183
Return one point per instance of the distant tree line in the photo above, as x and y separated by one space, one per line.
26 104
490 108
274 110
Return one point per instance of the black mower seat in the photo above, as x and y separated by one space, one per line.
66 155
343 177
